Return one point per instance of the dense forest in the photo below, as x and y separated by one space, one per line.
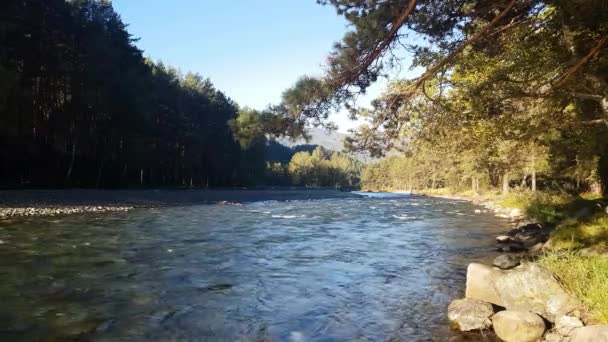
81 107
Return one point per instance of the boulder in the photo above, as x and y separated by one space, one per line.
528 287
553 336
531 287
514 246
565 325
518 326
480 283
530 228
506 262
592 333
470 314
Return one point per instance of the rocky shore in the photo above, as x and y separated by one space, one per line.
32 203
518 299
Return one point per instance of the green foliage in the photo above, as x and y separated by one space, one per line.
323 168
585 277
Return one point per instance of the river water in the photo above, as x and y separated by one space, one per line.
365 269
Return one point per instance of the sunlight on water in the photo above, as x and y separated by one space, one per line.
331 270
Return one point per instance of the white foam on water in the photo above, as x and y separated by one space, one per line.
296 336
382 194
284 216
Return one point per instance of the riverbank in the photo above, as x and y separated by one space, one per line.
576 251
28 203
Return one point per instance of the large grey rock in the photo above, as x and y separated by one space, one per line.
480 283
470 314
565 325
592 333
518 326
531 287
528 287
506 262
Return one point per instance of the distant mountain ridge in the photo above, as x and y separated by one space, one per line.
331 140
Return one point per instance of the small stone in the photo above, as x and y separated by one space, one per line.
506 262
518 326
503 238
515 213
470 314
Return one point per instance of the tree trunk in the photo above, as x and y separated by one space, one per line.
71 167
505 183
99 172
534 180
524 181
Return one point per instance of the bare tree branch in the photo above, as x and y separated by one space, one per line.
564 77
376 52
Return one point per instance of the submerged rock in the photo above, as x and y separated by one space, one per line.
470 314
518 326
506 262
528 287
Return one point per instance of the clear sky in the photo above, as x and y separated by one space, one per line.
251 49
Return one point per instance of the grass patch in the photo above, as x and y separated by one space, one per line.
585 277
580 232
547 208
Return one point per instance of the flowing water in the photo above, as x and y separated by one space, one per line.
367 269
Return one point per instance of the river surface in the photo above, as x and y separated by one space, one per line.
364 269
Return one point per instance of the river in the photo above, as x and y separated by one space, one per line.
368 269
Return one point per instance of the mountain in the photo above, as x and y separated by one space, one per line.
330 140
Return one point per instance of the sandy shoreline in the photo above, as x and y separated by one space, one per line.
27 203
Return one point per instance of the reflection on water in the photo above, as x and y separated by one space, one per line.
326 270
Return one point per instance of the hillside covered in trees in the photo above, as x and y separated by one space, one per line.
81 106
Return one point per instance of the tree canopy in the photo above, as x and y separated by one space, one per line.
502 81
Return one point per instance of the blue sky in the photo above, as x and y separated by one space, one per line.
251 49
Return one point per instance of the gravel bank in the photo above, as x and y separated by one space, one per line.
27 203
